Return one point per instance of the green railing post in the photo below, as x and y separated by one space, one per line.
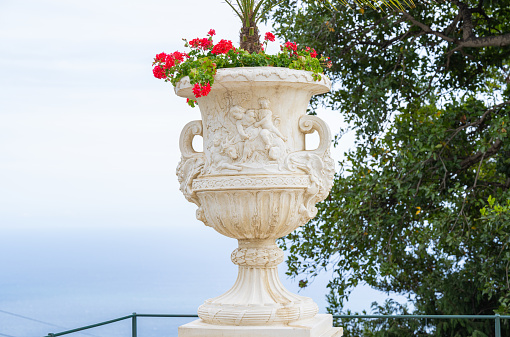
497 325
133 325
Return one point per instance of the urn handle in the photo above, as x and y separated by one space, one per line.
190 130
192 162
317 163
309 124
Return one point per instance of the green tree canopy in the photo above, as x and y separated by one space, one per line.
427 92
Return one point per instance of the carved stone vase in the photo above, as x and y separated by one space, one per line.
256 182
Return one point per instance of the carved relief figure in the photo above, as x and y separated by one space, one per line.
266 122
244 119
259 134
223 154
244 137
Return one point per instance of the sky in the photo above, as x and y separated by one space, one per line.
92 223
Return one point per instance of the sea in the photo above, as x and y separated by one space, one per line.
57 278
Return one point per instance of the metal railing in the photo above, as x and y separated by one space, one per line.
497 320
133 316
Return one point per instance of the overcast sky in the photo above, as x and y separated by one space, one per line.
85 129
89 147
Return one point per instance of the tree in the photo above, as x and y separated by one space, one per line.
427 92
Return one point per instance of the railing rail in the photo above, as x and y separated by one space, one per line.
497 320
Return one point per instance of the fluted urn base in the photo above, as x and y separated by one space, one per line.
257 297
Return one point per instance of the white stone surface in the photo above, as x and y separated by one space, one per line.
319 326
255 182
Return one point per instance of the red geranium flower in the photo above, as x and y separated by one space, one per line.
222 47
196 90
201 90
206 89
269 37
161 57
169 62
206 43
195 43
178 56
212 32
201 43
159 72
291 46
312 52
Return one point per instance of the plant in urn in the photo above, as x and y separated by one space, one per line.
254 181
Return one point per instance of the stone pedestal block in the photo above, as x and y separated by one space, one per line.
319 326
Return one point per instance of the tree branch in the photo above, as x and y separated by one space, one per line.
489 41
478 122
469 161
426 28
469 39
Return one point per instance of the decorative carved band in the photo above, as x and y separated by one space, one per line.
238 182
257 257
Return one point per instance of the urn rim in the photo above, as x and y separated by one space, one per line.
259 76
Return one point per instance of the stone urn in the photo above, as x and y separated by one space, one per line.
256 182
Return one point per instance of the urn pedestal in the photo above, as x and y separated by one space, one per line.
256 182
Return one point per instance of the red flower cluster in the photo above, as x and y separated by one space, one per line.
291 46
161 57
222 47
212 32
201 90
159 72
179 56
269 37
204 43
174 58
312 52
166 61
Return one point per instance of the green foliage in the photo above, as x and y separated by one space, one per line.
384 327
431 119
496 218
